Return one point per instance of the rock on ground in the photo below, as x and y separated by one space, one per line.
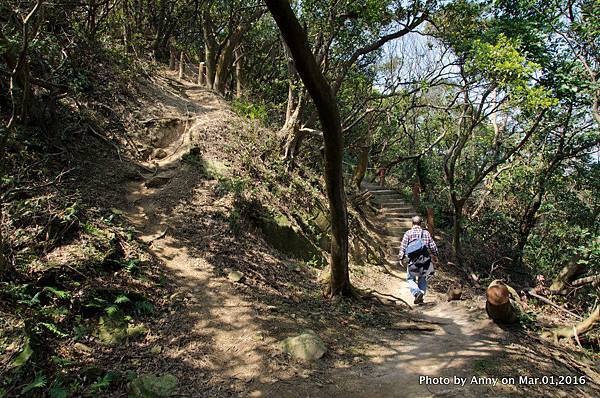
306 346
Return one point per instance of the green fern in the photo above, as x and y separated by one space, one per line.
103 383
52 327
38 382
35 300
143 308
61 294
131 265
111 310
122 299
58 391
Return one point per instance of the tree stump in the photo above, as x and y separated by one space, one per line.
502 303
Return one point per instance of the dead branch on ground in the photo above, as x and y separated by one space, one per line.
543 299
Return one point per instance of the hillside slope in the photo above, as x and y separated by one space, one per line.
230 330
194 182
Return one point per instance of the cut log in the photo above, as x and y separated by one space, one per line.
454 292
502 304
574 331
567 274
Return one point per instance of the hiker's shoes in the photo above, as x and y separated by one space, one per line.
419 298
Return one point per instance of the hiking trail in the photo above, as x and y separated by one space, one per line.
218 334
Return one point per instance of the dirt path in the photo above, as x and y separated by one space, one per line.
220 341
464 337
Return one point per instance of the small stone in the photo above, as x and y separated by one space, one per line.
306 346
159 153
235 276
356 359
82 348
151 386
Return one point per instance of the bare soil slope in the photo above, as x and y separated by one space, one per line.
219 337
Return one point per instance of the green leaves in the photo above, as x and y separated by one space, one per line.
503 65
121 299
52 328
23 356
38 382
61 294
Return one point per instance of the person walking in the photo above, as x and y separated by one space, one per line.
422 253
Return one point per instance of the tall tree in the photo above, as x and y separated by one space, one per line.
327 108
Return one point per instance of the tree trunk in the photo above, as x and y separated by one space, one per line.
527 223
226 59
210 48
223 69
430 221
181 65
456 239
211 62
567 274
361 167
172 58
291 134
416 191
28 107
239 76
326 105
4 264
457 230
421 176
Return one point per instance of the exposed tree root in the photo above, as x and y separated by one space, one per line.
375 294
574 331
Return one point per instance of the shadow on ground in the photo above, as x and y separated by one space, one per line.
219 338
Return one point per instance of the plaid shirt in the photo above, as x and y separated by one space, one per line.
415 233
